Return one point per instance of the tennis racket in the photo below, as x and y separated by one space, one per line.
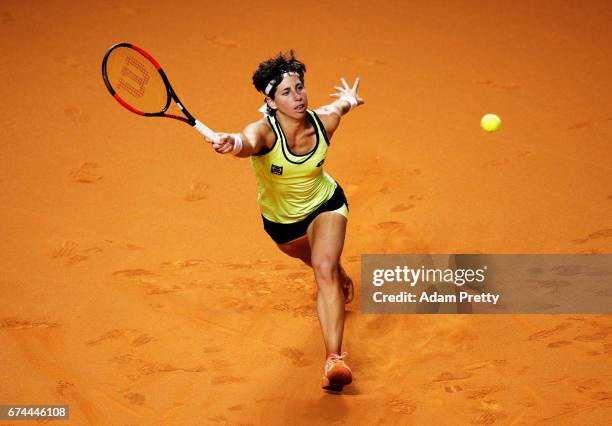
137 82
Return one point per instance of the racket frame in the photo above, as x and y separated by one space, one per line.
189 119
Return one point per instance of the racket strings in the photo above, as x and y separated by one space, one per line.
136 80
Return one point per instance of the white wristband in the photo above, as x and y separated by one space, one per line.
352 100
237 143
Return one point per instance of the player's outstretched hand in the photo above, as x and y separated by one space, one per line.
224 145
348 94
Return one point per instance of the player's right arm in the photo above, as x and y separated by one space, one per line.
253 139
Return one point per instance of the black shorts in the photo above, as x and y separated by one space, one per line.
282 233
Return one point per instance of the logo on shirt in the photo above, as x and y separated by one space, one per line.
321 163
277 170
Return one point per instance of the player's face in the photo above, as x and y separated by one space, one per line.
291 98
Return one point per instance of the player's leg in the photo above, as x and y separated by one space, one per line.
326 237
299 248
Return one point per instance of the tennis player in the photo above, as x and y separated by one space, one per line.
304 210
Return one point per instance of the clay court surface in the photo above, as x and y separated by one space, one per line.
139 287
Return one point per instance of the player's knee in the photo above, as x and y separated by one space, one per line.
325 269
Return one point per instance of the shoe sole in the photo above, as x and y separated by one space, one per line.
336 380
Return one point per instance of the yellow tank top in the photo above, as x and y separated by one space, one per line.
292 186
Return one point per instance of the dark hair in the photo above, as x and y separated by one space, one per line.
273 69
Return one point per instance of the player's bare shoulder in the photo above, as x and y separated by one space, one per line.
260 134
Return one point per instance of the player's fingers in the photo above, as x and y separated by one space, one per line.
224 144
346 86
224 149
338 88
356 85
335 95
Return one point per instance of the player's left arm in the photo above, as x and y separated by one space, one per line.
348 99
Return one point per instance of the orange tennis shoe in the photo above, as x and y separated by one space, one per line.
336 374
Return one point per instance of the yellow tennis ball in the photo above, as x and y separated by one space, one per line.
490 123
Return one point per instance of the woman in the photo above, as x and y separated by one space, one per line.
303 209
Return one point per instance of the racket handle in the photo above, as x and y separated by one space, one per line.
205 131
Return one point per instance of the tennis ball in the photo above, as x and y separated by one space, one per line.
490 123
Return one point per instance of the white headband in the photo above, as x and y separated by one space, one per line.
272 83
